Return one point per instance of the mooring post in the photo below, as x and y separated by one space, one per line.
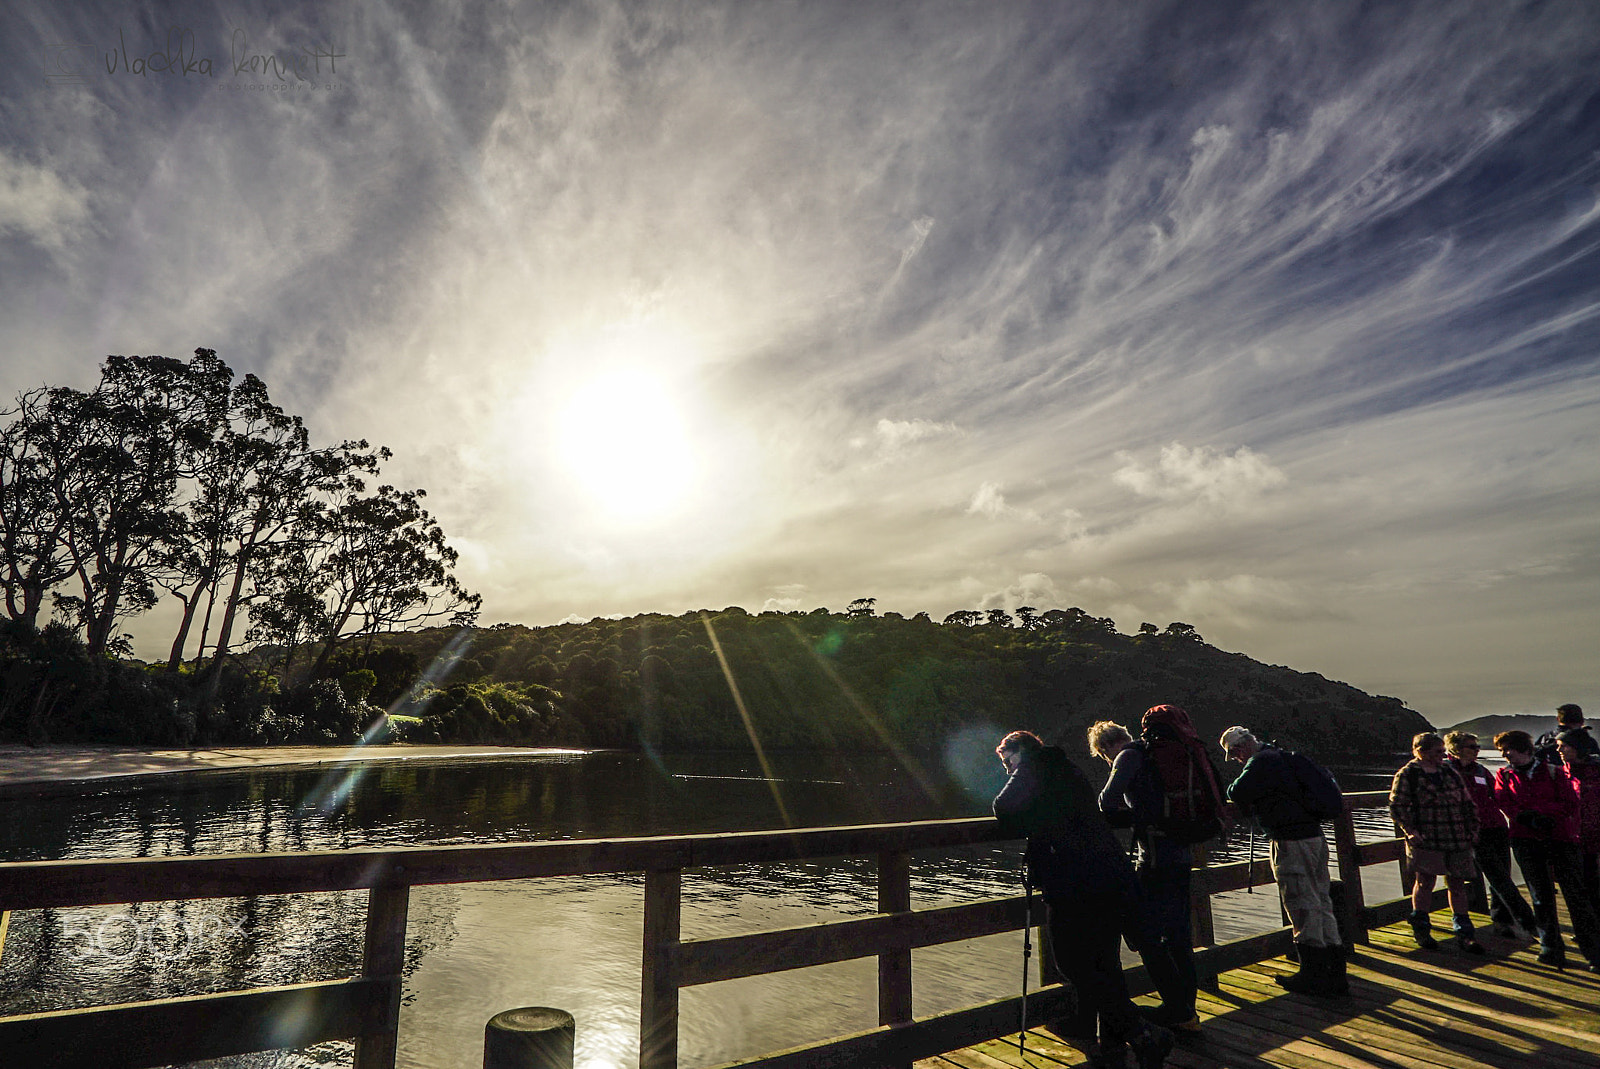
533 1037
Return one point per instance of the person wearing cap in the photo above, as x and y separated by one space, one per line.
1541 803
1508 910
1432 808
1268 789
1569 717
1581 756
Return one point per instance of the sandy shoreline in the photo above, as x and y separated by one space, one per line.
23 766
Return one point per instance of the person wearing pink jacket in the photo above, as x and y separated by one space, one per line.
1542 805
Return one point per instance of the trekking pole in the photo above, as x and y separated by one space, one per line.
1027 952
1250 888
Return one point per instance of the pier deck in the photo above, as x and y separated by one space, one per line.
1407 1009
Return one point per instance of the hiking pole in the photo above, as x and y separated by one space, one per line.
1250 888
1027 952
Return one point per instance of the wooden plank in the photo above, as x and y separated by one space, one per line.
1384 850
894 964
139 1035
1353 905
384 958
658 1001
1402 1032
920 1039
705 961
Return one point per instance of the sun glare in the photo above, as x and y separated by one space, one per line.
624 441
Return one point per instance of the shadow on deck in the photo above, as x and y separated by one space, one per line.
1407 1009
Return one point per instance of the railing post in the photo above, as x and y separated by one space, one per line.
894 966
1355 903
658 1001
384 958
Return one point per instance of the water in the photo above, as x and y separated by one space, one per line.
574 943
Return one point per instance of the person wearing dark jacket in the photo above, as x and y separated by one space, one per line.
1268 789
1540 802
1090 892
1569 717
1133 798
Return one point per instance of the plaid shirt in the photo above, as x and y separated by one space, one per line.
1441 812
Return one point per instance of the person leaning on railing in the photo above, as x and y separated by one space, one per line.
1540 802
1512 916
1268 789
1091 895
1433 809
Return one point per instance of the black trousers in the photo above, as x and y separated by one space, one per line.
1545 864
1086 944
1167 944
1506 904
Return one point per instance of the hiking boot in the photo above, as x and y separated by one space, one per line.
1191 1027
1321 973
1337 982
1422 930
1109 1056
1151 1047
1553 955
1461 930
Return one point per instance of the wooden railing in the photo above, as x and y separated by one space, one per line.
365 1007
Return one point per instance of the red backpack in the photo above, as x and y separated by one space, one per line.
1191 796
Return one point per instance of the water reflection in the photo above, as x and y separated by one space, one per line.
476 949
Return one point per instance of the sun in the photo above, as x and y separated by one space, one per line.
624 441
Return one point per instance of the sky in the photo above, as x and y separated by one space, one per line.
1276 319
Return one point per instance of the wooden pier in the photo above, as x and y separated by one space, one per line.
1407 1009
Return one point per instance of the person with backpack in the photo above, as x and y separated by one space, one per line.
1541 803
1569 717
1090 892
1432 807
1166 826
1291 796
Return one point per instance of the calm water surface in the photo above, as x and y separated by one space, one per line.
476 949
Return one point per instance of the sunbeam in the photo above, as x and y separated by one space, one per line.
749 726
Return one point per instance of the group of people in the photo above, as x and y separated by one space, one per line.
1542 807
1458 820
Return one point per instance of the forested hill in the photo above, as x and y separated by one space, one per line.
858 679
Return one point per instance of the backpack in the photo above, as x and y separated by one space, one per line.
1319 791
1191 797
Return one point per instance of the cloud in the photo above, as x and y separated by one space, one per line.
40 205
896 434
1035 588
989 501
786 598
1200 473
1243 600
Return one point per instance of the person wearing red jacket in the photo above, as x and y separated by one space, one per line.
1540 802
1507 908
1581 756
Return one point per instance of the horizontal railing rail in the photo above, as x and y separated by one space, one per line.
365 1008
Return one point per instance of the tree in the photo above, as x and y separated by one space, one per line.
1027 618
136 435
964 618
366 564
861 607
34 455
999 618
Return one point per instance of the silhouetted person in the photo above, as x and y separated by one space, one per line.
1569 717
1581 756
1090 892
